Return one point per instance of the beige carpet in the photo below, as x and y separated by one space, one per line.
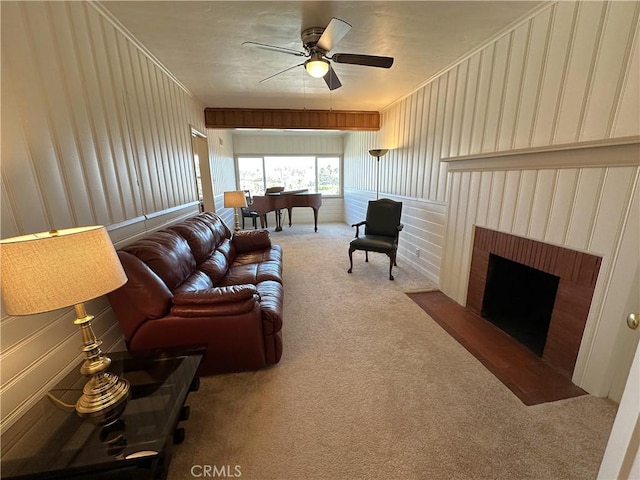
370 387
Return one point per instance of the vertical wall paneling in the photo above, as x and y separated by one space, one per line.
524 202
411 187
437 140
509 200
495 96
456 122
423 143
585 203
592 67
582 54
615 190
496 199
532 74
450 102
468 111
485 73
606 87
569 73
94 131
560 214
541 203
626 120
513 85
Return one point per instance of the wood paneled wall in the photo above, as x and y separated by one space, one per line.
291 119
94 131
568 74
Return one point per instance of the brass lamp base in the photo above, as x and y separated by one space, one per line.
102 395
236 220
105 394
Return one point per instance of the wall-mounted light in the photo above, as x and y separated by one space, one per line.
317 66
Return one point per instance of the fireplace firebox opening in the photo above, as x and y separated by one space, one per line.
519 300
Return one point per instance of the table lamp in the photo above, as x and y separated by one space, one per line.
378 152
235 199
62 268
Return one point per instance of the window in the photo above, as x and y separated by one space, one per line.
314 173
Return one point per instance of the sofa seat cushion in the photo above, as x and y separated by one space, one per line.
252 273
215 266
197 281
272 254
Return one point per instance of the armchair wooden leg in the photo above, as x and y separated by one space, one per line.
350 260
392 261
366 255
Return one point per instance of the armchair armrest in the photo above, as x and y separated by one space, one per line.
358 225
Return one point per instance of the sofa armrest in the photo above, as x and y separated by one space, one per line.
217 301
251 240
215 295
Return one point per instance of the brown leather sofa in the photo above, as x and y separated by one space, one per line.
196 283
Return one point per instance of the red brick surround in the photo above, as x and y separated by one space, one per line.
578 272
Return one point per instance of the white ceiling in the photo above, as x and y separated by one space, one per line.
200 42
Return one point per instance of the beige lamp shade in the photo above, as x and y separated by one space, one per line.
235 199
51 270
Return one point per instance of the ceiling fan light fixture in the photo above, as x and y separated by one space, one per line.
317 66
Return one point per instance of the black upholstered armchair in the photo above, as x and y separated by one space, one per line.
381 230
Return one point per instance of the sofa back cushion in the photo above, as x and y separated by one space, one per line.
199 236
217 226
167 254
144 296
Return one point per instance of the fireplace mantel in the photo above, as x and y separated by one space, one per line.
603 153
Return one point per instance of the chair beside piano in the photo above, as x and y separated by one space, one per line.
247 212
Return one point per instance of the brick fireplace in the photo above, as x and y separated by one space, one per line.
576 273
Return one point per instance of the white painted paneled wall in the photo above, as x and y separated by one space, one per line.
222 170
569 74
94 131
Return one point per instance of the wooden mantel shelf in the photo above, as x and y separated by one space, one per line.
623 151
291 119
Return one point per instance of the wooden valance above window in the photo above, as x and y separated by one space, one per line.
291 119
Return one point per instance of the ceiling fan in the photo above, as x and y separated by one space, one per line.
318 42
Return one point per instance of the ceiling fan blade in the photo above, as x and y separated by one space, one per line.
285 70
366 60
332 80
273 48
333 34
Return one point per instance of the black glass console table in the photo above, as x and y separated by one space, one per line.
52 441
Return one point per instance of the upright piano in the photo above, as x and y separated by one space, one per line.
276 202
